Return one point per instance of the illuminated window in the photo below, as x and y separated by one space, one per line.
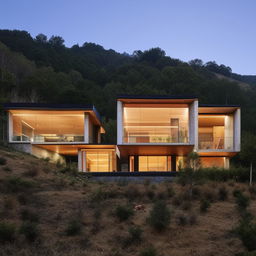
155 124
154 163
100 161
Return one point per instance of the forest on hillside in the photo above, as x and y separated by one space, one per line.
45 70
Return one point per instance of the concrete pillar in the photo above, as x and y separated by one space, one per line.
80 168
119 122
226 163
10 127
136 163
228 132
193 124
86 128
237 130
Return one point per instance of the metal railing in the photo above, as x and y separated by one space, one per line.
215 143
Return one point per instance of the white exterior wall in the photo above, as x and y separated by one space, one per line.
119 122
10 126
86 128
228 132
193 124
237 130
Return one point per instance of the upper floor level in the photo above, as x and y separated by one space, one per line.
51 123
176 120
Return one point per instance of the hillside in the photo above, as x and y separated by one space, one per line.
52 212
45 70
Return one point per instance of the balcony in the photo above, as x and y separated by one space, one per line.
48 138
177 137
215 143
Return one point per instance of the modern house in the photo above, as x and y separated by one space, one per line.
153 133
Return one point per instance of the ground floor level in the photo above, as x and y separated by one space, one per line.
111 158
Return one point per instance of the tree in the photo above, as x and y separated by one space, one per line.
248 151
152 55
56 41
41 38
196 63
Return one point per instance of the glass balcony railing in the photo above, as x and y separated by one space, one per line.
163 138
224 143
50 138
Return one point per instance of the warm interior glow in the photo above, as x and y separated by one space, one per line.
99 161
48 127
215 131
212 162
155 124
154 163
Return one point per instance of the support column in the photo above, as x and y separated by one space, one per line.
226 163
193 124
86 128
119 122
237 130
79 162
173 163
10 127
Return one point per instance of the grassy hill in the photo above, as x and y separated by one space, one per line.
48 210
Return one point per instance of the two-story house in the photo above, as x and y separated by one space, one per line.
153 133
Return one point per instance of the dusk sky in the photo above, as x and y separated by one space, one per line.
220 30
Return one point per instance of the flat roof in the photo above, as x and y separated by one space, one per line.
217 109
51 106
156 97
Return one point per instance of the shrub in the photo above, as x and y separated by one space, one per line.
7 232
74 228
134 236
160 215
16 184
182 220
150 251
101 195
196 192
7 169
186 206
242 201
3 161
223 194
161 195
177 201
123 212
170 191
31 173
192 219
29 215
29 230
204 205
132 192
151 194
247 232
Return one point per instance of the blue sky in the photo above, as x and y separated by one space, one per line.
220 30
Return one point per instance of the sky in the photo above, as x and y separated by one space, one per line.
220 30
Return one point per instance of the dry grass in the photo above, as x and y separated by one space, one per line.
57 199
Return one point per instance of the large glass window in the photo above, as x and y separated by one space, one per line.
99 161
46 126
215 132
155 124
154 163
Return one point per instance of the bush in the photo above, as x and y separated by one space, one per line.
159 217
242 201
28 215
132 192
7 169
29 230
150 251
204 205
192 219
7 232
186 206
123 212
182 220
223 194
101 195
196 192
16 184
31 173
74 228
247 232
177 201
151 194
170 191
3 161
134 236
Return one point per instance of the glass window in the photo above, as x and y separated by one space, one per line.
155 124
99 161
154 163
48 126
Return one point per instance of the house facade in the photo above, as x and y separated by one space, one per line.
153 133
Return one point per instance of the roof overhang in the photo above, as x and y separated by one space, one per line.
72 150
217 109
154 150
172 99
